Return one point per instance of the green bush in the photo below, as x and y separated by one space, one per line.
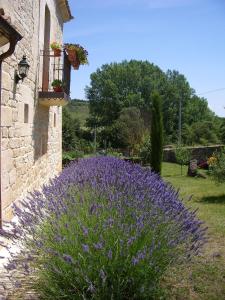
217 166
69 156
183 156
114 152
145 151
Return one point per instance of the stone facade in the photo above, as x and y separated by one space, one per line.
31 133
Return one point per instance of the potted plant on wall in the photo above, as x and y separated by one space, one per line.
77 55
57 49
57 85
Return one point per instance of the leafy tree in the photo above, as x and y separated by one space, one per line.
70 131
156 133
117 86
130 128
182 156
222 131
203 132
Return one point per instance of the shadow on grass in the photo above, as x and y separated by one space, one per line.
214 199
176 175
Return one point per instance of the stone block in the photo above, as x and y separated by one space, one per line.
14 143
11 132
7 161
6 198
6 116
12 177
27 93
5 97
7 81
4 144
4 132
15 115
5 180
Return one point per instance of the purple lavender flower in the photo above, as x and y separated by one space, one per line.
85 230
103 276
68 258
91 288
85 248
135 261
98 246
109 254
133 214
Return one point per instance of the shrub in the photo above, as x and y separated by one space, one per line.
114 152
183 156
217 166
104 229
69 156
145 151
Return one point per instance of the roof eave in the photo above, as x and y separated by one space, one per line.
65 10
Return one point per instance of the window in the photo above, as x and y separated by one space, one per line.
44 144
26 113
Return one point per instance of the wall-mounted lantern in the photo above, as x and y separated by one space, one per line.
23 68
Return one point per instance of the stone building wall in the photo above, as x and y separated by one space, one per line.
31 147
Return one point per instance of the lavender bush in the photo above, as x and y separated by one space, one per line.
103 229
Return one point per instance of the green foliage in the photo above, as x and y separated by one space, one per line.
222 131
202 132
69 156
217 166
120 85
145 151
117 86
55 45
113 152
57 83
76 138
130 128
80 51
204 278
183 156
79 110
156 133
70 131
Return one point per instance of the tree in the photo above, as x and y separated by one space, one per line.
117 86
203 132
222 131
182 156
156 133
130 128
70 131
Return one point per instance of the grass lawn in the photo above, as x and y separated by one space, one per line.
205 278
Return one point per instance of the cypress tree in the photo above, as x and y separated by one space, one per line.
156 133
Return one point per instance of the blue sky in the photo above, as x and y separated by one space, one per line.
185 35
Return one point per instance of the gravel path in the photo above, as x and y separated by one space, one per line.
7 290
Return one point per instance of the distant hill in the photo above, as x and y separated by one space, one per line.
79 109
